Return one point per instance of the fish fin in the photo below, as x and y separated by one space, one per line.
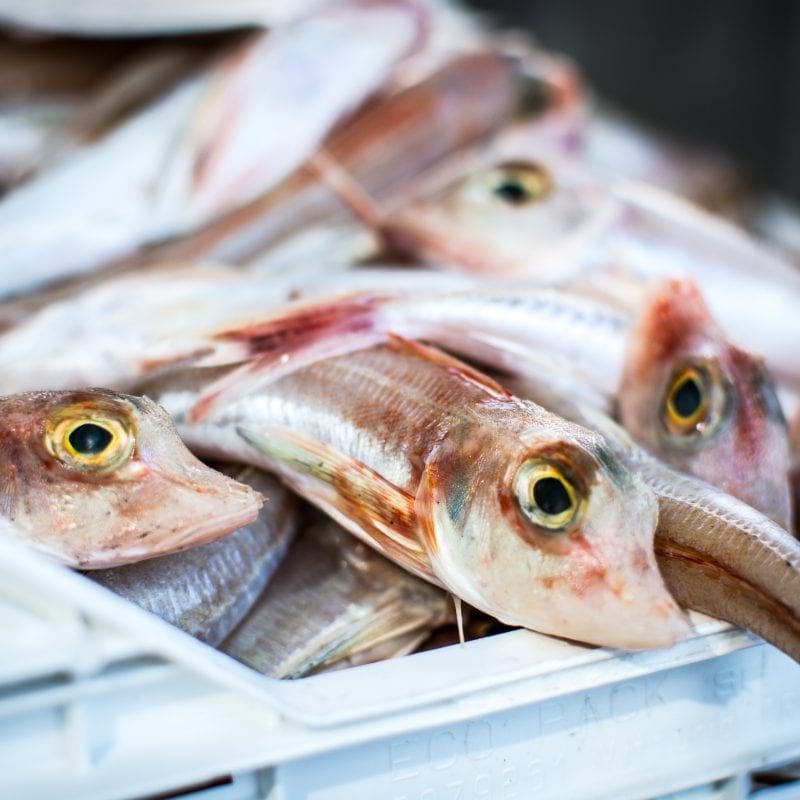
356 496
346 188
455 367
283 343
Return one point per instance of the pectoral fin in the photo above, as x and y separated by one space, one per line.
280 344
349 491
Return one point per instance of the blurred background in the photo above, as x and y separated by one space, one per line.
722 74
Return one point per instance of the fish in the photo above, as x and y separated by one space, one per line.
523 516
214 142
534 214
703 405
129 328
395 138
98 479
331 600
207 590
717 554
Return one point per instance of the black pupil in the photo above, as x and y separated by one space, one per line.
686 397
89 439
551 496
511 191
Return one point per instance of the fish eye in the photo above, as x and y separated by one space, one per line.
689 402
518 184
87 440
546 496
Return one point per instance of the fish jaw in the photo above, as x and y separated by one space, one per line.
741 445
159 500
598 583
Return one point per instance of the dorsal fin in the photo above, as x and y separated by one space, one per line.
455 367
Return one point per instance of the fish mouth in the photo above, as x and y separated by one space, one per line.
204 520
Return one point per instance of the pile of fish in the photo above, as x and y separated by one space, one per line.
450 362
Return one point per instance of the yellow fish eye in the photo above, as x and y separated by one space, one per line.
686 405
89 441
547 498
518 184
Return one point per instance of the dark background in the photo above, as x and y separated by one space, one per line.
719 73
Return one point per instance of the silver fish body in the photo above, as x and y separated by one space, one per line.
331 599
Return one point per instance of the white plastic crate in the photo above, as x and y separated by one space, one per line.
100 700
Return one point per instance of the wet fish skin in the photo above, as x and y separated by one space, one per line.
418 455
125 328
132 491
207 590
130 328
332 599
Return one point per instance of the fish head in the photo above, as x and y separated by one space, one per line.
551 532
703 405
503 217
97 479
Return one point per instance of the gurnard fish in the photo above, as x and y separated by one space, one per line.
540 216
207 590
214 142
677 384
97 479
334 599
511 509
387 144
717 554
